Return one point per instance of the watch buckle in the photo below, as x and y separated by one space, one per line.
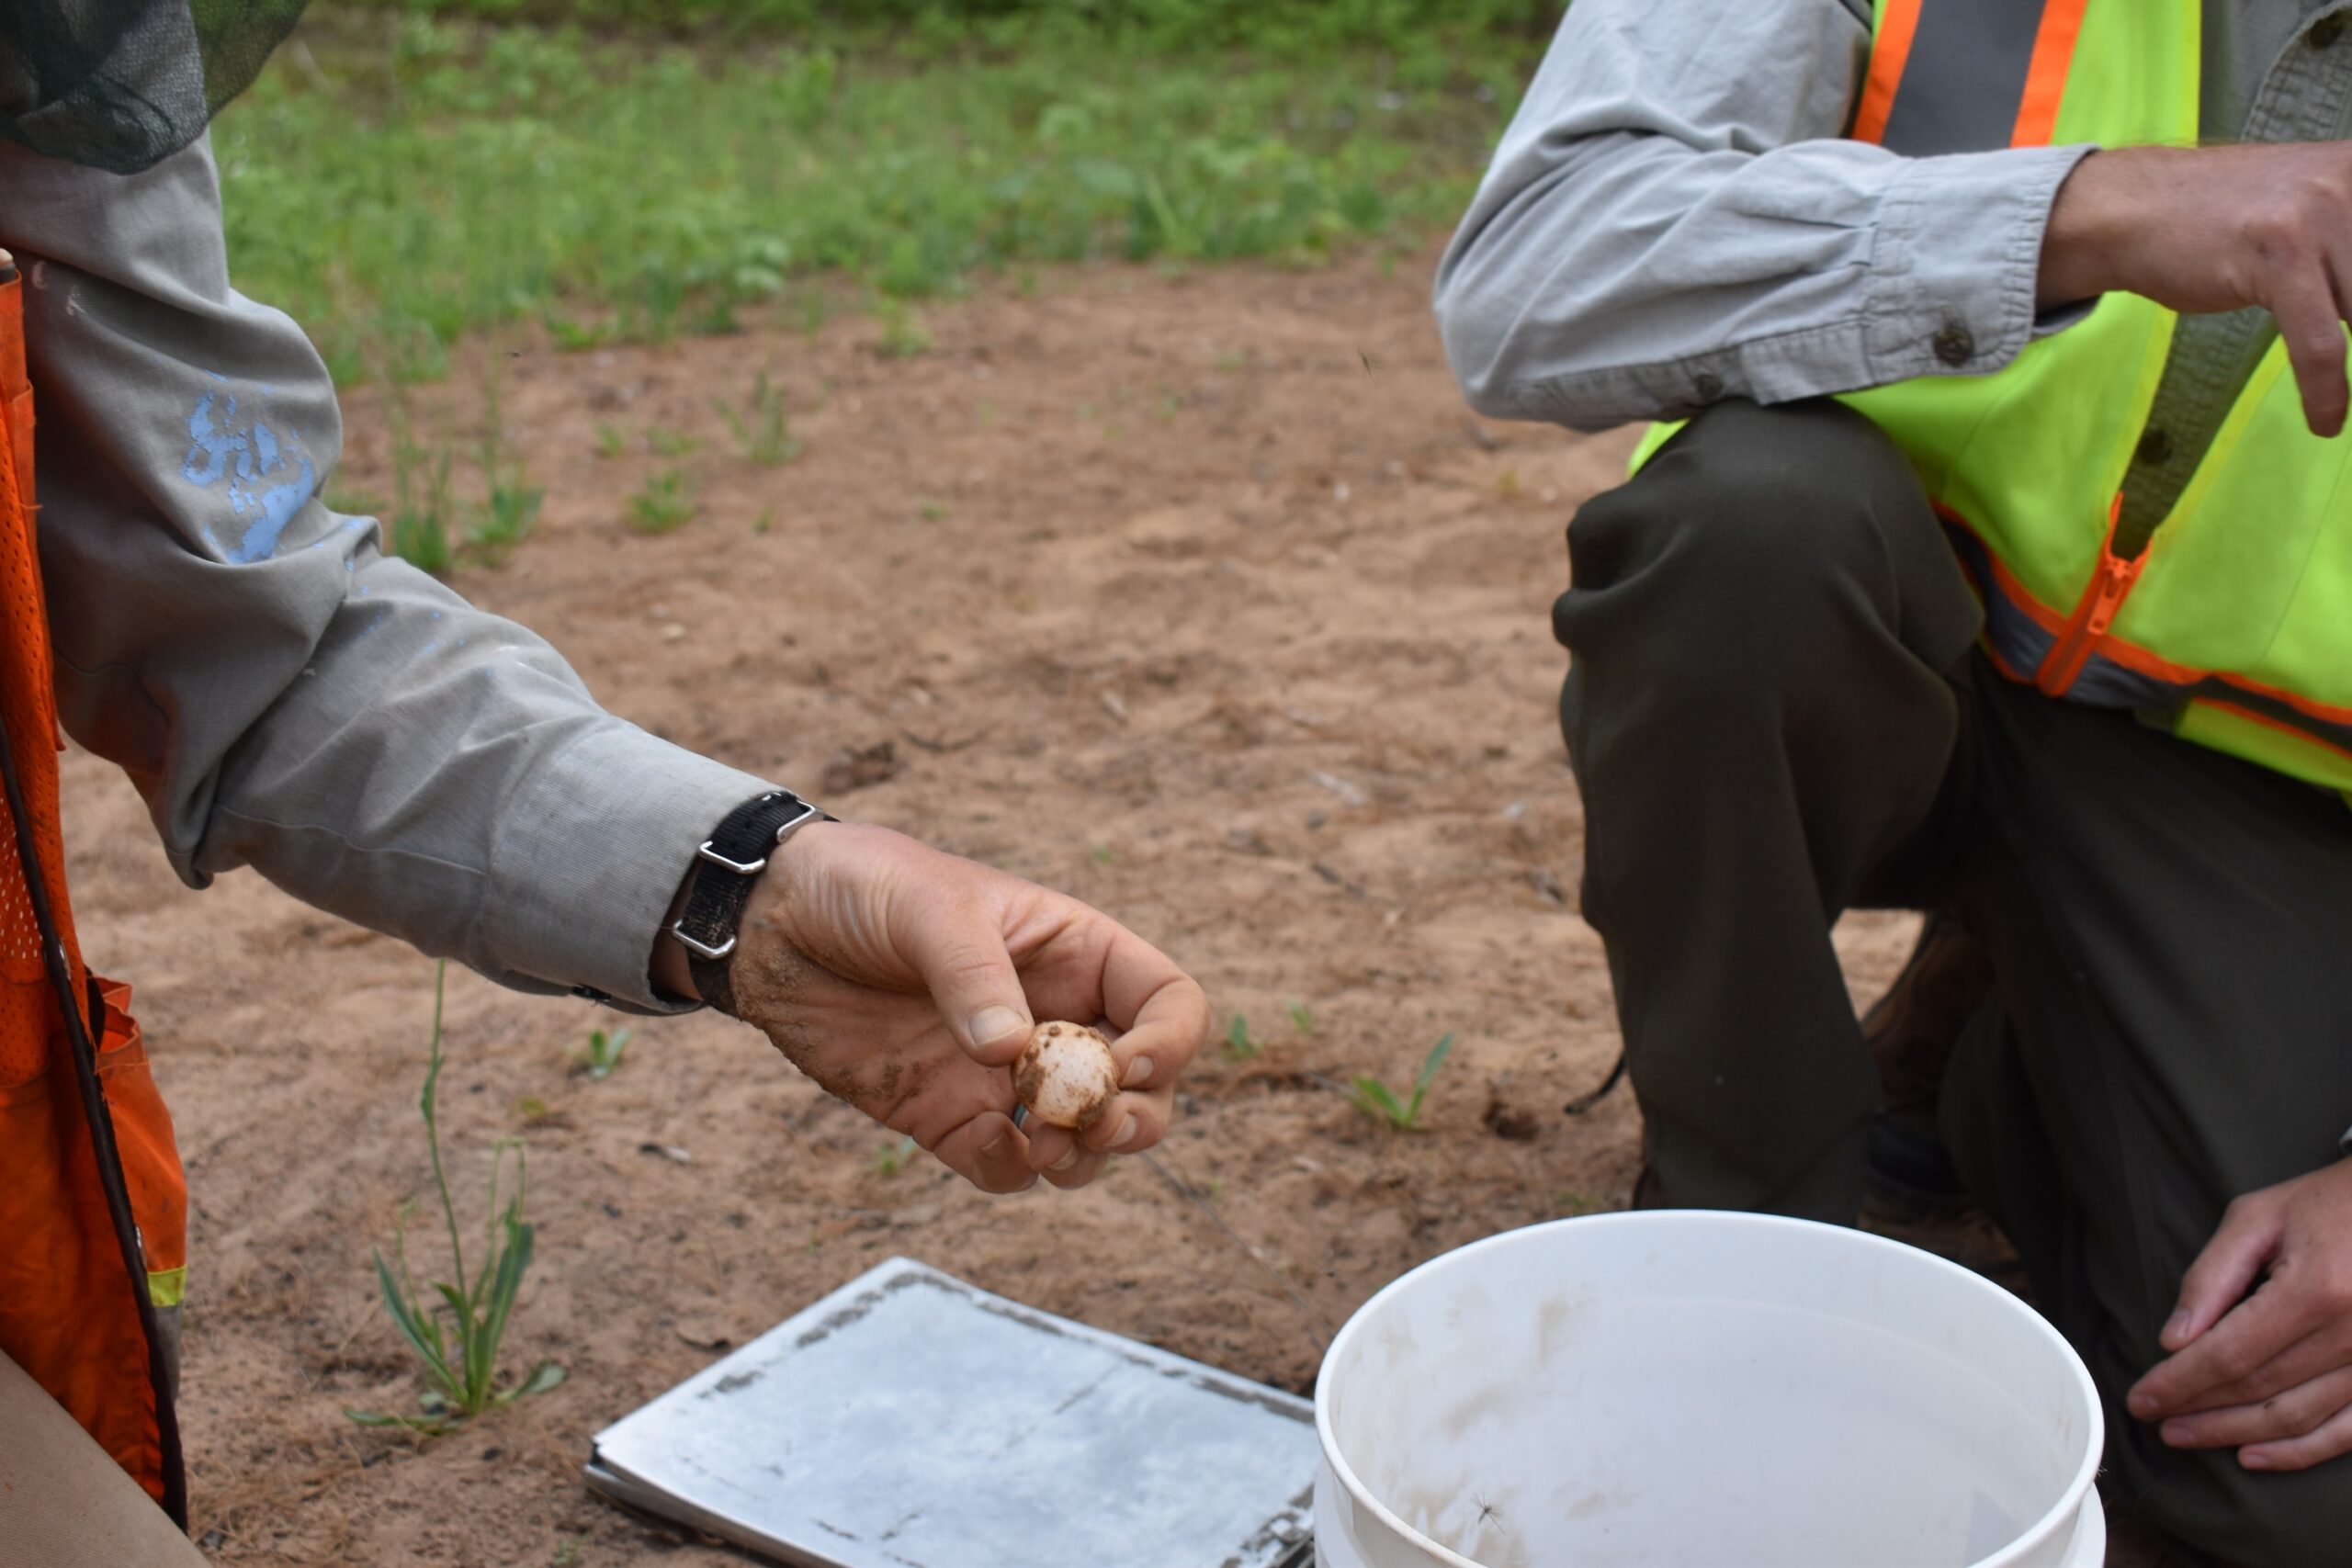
701 950
741 868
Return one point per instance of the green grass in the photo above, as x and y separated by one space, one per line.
1239 1045
429 526
412 178
665 503
419 525
1382 1103
602 1054
1289 24
455 1339
762 429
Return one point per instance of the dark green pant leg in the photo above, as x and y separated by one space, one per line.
1762 726
2170 929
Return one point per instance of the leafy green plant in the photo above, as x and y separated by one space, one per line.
457 1341
670 443
573 335
666 503
602 1053
610 442
895 1157
763 430
1239 1045
1301 1017
1380 1102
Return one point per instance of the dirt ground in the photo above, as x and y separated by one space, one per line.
1199 595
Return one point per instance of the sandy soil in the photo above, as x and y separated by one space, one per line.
1198 595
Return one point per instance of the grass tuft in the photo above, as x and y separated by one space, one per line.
665 504
762 429
601 1057
1382 1103
456 1340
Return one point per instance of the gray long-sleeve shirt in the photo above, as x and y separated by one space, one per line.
285 695
1672 217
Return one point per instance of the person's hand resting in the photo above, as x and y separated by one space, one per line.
2269 1374
906 982
2201 230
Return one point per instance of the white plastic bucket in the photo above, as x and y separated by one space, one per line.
1687 1390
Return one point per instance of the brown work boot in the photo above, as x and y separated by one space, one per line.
1911 1031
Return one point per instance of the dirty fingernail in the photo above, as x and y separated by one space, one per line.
992 1026
1066 1160
1138 1073
1127 1133
997 1147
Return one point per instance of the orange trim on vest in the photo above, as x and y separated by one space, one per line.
1889 53
69 1313
2045 79
2132 657
2111 582
2268 722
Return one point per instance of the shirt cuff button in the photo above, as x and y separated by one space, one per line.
1954 346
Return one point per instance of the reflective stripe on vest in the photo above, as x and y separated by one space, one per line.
78 1150
1999 70
2231 622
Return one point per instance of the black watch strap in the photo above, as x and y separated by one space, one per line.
726 865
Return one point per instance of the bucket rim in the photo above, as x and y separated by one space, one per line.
2059 1518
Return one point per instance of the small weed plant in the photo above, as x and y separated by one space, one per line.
1382 1103
763 429
602 1054
665 504
511 502
421 508
895 1157
456 1340
1301 1017
903 335
1239 1045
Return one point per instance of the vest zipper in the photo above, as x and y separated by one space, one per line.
2111 582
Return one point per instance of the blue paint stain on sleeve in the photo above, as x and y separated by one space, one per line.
239 461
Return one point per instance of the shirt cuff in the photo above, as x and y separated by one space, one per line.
1956 263
589 857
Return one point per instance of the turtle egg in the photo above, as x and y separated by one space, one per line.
1067 1075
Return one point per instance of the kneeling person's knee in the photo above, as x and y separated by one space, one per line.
1747 547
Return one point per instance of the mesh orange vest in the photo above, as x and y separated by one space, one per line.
93 1205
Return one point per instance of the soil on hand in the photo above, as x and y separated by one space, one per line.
1198 595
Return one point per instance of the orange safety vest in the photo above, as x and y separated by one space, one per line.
93 1204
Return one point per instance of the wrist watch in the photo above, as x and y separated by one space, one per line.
726 865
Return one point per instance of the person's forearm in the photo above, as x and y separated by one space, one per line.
2206 229
1672 219
286 695
2097 210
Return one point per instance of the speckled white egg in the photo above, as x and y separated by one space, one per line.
1067 1075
